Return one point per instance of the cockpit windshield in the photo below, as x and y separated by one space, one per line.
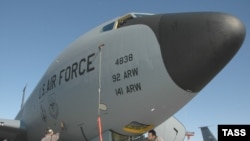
108 27
141 15
119 22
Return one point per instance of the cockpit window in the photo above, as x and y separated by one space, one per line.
123 20
141 15
108 27
118 23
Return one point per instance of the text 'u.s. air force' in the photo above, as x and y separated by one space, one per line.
68 73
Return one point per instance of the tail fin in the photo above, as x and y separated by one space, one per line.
207 134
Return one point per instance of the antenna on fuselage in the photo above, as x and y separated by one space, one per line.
100 106
24 89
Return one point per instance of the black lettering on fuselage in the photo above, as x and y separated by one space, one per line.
70 72
51 84
130 73
77 69
81 70
89 68
67 73
74 69
61 73
42 91
134 87
119 91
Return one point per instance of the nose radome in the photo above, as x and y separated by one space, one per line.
196 46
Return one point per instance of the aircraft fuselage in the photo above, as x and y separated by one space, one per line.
126 70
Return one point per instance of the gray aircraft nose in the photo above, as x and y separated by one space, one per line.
196 46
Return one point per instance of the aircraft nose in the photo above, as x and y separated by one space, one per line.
196 46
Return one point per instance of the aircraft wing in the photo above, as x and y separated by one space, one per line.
11 129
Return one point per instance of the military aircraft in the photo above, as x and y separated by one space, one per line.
127 76
207 134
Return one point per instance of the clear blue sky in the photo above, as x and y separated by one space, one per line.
33 33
